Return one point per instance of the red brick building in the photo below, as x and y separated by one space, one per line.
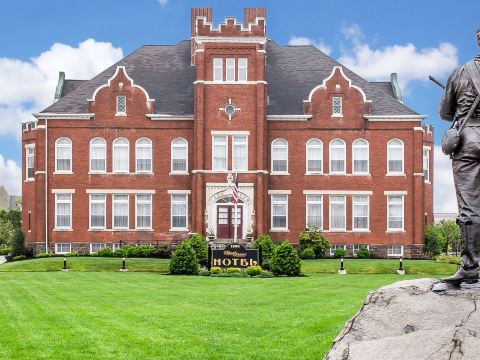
142 152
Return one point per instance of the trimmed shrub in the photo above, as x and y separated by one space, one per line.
18 243
124 251
19 258
363 253
339 253
314 238
268 246
5 251
254 270
215 270
71 254
307 253
184 260
163 251
233 270
457 260
42 255
140 251
200 246
285 260
105 252
204 273
266 274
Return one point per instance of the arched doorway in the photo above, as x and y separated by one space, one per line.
226 218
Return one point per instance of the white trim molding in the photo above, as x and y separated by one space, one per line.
179 192
64 116
221 132
169 117
395 117
279 192
233 39
388 192
299 117
63 191
119 191
337 192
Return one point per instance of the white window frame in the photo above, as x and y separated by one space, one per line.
116 246
101 245
357 249
356 146
183 145
242 69
217 65
230 66
309 202
104 202
104 146
117 106
148 146
30 154
57 201
309 145
390 146
362 203
344 212
331 146
113 211
235 139
127 145
274 201
61 245
391 253
214 145
403 214
275 145
335 247
67 146
337 113
183 202
426 164
143 202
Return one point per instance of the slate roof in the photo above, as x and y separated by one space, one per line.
385 86
70 85
167 75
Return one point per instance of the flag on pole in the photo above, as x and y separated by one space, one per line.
235 190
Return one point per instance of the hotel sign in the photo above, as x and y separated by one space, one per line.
235 256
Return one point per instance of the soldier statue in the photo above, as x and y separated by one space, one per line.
459 105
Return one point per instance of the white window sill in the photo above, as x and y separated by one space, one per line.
395 231
179 173
428 182
119 229
282 173
179 229
361 174
120 172
337 115
29 180
338 230
337 174
63 173
144 229
279 230
60 229
62 253
97 173
97 229
313 173
396 256
365 231
144 173
121 114
395 174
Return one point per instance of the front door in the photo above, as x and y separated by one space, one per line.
226 221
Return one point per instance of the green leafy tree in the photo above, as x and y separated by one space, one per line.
18 243
451 234
200 247
285 260
184 260
268 246
314 238
434 239
6 232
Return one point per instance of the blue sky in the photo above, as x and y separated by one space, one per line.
374 38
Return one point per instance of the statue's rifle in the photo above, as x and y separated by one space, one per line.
431 78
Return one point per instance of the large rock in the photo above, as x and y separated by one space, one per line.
407 320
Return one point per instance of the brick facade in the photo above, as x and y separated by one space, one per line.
206 188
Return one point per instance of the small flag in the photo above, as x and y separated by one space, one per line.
235 190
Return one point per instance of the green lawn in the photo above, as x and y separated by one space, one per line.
93 312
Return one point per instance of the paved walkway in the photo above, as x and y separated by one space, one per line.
3 259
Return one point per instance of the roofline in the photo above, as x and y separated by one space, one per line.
299 117
169 117
69 116
395 117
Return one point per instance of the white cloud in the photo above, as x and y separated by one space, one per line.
444 197
301 40
407 60
31 84
163 2
10 176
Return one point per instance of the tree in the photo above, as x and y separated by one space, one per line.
6 232
184 260
18 243
451 234
285 260
200 247
13 215
313 237
268 246
434 239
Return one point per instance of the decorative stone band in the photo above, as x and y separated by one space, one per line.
119 191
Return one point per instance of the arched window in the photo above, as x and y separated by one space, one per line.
98 155
337 156
63 155
314 156
121 158
395 156
279 156
360 156
179 155
143 155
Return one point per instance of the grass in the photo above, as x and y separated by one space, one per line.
92 312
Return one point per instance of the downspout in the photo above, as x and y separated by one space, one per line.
46 185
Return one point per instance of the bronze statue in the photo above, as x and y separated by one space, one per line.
458 105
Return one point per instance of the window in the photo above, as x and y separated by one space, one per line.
121 158
337 156
217 69
360 156
395 250
179 155
279 156
179 211
337 212
97 211
314 156
29 163
395 213
97 247
120 211
143 212
143 155
240 153
63 155
98 155
335 247
230 70
121 105
356 248
395 156
336 106
426 164
63 211
242 69
116 246
314 211
63 248
279 212
220 153
360 209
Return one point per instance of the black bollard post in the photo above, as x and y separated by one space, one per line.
209 265
400 270
342 270
65 264
341 264
124 266
260 255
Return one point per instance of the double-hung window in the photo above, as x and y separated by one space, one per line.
29 162
395 250
98 155
360 209
220 152
337 156
179 149
120 211
121 158
360 156
143 155
97 211
63 155
179 211
426 164
63 248
217 69
314 156
63 211
96 247
337 212
143 211
395 213
337 106
279 210
240 153
230 69
279 156
395 157
242 69
315 211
